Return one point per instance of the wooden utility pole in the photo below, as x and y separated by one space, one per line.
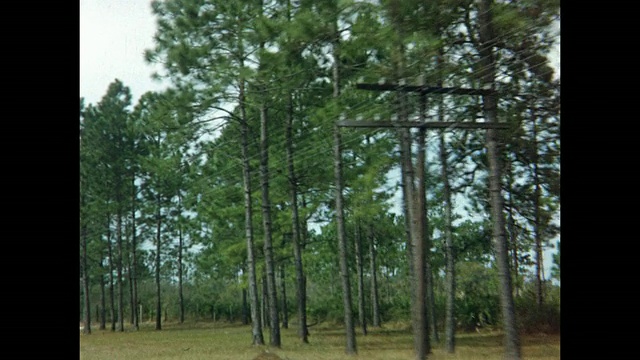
417 214
351 345
487 77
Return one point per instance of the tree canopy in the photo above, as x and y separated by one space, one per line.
194 198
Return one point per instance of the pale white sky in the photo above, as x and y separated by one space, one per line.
113 37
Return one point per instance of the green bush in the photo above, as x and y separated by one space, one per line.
399 309
325 308
477 296
532 318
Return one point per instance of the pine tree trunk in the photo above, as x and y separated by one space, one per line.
119 272
406 199
536 225
417 268
375 310
304 227
180 267
413 204
513 235
450 322
361 305
285 310
112 309
158 298
266 222
342 239
180 292
85 283
256 330
516 266
450 277
136 317
83 246
263 318
406 196
103 299
430 313
422 243
303 331
132 304
81 287
487 64
431 306
265 302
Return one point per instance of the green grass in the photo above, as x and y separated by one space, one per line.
225 341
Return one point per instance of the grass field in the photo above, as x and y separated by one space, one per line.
226 341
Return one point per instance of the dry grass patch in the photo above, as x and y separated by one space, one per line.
222 342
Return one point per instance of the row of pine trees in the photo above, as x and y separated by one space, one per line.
238 176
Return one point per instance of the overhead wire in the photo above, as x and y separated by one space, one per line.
313 153
363 104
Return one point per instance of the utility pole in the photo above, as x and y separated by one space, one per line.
417 210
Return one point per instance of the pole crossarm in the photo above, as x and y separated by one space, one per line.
423 89
423 125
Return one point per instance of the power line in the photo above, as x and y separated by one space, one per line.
310 153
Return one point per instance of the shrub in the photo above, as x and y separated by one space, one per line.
532 318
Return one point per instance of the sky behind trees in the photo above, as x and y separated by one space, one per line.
113 37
